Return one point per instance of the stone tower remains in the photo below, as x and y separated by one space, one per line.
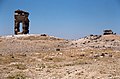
21 17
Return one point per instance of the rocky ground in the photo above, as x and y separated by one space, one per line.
48 57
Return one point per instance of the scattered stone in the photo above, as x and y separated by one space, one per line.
57 49
72 44
0 54
96 55
76 43
58 45
84 43
94 37
71 56
12 56
103 54
82 55
108 32
43 35
113 40
110 55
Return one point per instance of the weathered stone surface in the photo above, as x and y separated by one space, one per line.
108 32
21 17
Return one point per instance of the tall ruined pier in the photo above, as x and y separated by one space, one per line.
21 17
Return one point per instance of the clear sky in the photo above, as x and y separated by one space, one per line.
70 19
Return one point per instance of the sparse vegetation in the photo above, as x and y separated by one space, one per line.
17 76
54 59
19 66
48 57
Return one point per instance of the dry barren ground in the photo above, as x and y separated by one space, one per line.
47 57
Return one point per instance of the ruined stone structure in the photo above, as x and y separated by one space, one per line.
108 32
21 17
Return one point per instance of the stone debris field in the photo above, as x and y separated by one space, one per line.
47 57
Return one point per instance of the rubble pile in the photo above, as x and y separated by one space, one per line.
107 40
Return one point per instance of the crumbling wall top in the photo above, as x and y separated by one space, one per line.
108 32
21 12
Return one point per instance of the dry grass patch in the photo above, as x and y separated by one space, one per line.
38 38
53 59
19 66
17 76
82 61
52 65
7 59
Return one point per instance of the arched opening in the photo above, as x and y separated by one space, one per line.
20 27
